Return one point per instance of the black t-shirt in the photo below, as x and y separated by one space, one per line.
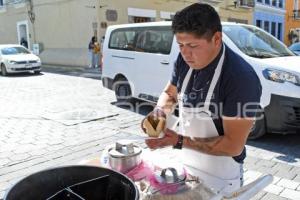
237 92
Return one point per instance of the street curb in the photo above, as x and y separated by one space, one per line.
47 67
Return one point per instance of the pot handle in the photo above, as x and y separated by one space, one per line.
129 147
172 170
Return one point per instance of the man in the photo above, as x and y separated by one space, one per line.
218 93
24 43
91 48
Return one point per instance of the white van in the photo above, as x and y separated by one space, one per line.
140 58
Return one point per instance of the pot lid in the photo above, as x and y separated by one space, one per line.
124 148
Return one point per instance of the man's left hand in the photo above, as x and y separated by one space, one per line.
169 139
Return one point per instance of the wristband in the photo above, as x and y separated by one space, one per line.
179 143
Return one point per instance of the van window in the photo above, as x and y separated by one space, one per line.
122 39
143 39
155 41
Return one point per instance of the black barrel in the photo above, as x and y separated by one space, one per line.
74 183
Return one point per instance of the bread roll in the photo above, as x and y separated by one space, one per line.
153 127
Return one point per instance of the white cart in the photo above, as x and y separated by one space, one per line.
164 157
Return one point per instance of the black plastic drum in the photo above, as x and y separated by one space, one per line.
74 183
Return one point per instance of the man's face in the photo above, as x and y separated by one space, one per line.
198 52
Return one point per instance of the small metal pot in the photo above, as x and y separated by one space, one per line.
124 156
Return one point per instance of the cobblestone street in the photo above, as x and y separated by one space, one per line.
63 116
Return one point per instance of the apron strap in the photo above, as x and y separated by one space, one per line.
214 81
180 98
185 82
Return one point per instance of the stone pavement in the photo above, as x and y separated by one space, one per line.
29 142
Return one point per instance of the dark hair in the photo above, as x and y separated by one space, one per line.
200 19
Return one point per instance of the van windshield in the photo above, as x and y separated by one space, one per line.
255 42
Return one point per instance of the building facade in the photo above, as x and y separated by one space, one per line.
292 25
270 16
14 23
237 11
62 29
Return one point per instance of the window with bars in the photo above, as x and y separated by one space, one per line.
280 4
279 29
273 29
258 23
266 26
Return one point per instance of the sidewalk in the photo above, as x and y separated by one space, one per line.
32 143
73 71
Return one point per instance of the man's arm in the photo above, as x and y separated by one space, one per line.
165 105
168 98
236 131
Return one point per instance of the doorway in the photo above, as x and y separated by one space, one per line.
23 34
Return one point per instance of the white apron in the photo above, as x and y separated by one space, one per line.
222 173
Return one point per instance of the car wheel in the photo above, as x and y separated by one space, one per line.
123 91
3 70
37 72
259 127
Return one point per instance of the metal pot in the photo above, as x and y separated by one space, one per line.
124 156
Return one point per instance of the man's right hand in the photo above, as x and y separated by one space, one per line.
170 138
154 123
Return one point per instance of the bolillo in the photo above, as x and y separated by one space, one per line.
153 127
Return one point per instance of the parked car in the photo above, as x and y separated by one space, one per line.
16 59
295 48
138 61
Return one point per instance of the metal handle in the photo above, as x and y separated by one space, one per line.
124 57
172 170
164 62
129 147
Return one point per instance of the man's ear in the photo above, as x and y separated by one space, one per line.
217 38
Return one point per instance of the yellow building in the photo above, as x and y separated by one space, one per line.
63 28
237 11
292 25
